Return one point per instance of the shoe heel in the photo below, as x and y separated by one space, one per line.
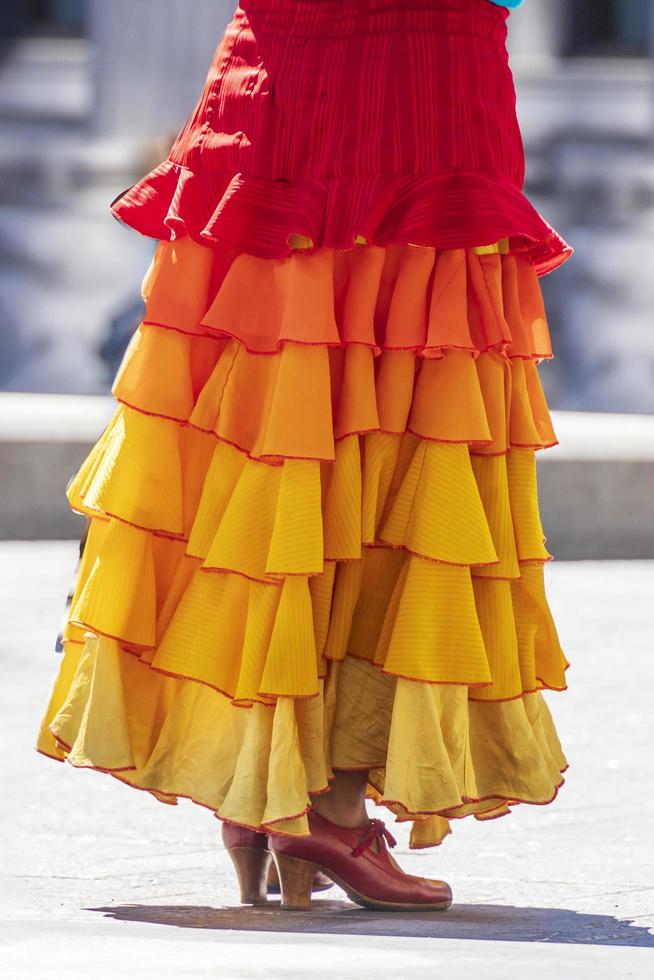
296 880
251 864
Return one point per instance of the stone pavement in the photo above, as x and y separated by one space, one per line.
99 880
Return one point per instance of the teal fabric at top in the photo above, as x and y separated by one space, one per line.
507 3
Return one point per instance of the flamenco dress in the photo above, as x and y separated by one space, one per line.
314 537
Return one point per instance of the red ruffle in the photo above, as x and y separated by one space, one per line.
460 209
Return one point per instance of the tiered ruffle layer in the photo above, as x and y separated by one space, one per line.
315 540
262 216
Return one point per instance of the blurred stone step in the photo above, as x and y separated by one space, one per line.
595 487
46 80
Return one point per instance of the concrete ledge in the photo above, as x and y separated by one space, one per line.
70 419
33 503
596 488
592 508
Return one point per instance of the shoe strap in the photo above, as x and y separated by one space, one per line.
376 831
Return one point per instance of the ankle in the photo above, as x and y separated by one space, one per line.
350 814
345 801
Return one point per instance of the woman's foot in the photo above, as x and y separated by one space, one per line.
345 801
357 859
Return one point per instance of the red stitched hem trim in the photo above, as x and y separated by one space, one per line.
533 445
237 702
106 515
343 561
424 351
69 748
381 543
246 703
324 790
263 828
157 793
290 697
212 570
509 801
276 577
234 823
278 460
122 640
185 333
419 435
472 686
423 680
510 578
405 677
516 697
293 816
494 578
55 758
280 576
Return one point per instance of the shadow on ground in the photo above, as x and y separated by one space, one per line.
490 922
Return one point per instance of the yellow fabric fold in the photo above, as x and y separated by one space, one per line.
433 754
315 541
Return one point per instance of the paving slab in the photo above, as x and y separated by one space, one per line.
98 879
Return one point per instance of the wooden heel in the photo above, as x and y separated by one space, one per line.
251 864
296 880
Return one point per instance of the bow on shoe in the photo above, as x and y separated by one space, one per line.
376 831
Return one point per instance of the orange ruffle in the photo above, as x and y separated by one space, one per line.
400 339
317 462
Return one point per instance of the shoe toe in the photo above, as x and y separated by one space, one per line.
440 890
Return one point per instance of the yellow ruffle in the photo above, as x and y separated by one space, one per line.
325 556
439 756
451 560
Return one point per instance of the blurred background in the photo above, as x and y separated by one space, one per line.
92 94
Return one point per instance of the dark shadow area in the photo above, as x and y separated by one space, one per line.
41 18
505 923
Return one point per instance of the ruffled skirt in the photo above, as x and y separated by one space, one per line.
315 541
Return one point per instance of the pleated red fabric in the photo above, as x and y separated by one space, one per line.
347 120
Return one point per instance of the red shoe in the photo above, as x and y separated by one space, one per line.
257 875
251 859
358 860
